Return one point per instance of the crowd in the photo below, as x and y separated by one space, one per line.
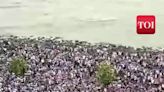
56 65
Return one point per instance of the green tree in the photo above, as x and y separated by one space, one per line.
106 74
18 66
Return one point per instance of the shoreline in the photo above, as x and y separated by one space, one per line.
90 42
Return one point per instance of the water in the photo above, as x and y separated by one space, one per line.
95 21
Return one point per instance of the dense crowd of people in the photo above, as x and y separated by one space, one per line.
56 65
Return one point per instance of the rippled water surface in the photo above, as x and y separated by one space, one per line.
92 20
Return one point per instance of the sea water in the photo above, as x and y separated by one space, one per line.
112 21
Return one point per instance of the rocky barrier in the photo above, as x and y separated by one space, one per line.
57 65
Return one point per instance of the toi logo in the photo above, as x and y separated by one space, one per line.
145 24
